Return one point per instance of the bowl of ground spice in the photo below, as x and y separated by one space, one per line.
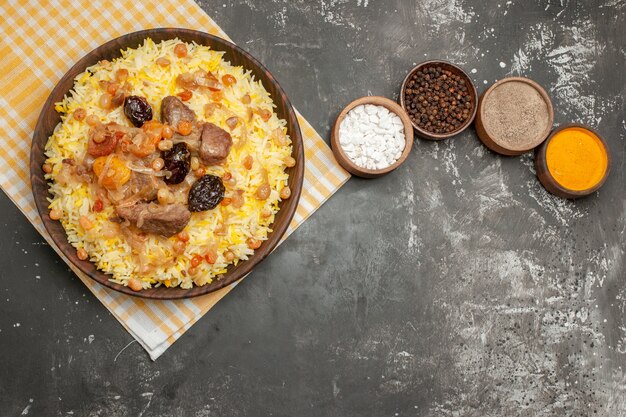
439 98
514 116
573 162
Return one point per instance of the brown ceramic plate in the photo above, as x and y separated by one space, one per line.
49 118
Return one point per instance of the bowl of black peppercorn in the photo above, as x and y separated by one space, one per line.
440 99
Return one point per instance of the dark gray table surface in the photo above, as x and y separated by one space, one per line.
455 286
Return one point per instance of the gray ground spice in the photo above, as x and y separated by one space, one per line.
515 115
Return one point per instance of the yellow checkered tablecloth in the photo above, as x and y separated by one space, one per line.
39 42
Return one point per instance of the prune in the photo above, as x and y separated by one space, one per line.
206 193
138 110
177 161
173 111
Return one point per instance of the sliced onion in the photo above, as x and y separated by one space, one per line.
141 217
153 208
129 202
193 145
148 171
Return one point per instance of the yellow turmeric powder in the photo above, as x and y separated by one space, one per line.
576 158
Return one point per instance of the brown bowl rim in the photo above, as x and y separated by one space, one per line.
345 161
111 49
545 176
440 136
489 140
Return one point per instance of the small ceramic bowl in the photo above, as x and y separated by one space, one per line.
456 71
498 145
550 183
341 156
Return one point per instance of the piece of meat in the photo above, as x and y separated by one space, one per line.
215 144
130 131
162 220
173 111
140 188
144 186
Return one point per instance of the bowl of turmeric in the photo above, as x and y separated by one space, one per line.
573 162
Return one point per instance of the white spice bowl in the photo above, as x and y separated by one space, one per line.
346 162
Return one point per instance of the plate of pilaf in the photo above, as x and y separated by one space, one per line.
167 163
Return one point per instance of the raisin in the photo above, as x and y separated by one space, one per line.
138 110
177 161
206 193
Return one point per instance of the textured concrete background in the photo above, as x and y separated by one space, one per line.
455 286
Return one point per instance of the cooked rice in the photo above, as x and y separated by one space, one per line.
113 254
